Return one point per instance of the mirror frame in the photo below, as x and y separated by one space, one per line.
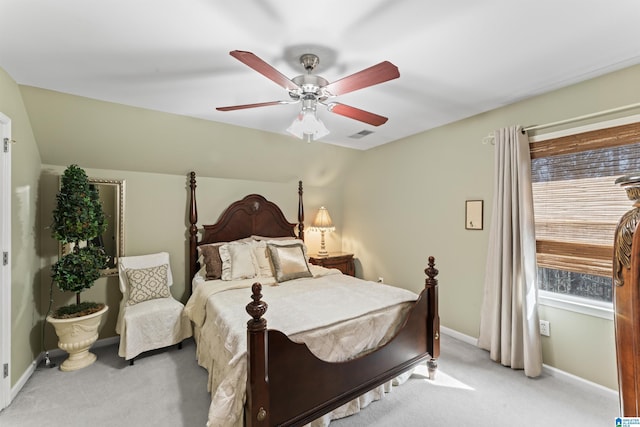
119 226
119 215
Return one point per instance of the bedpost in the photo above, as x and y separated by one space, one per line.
300 212
258 411
193 229
626 299
433 320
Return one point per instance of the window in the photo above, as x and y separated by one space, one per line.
577 206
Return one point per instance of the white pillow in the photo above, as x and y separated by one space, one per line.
263 261
209 256
238 261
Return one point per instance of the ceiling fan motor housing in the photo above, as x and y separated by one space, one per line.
310 85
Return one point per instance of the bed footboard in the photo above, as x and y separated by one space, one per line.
288 385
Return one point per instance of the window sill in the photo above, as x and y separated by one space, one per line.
603 310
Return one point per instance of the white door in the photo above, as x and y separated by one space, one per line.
5 261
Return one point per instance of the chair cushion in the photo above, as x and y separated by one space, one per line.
147 283
152 324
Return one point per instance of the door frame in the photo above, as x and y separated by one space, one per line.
5 270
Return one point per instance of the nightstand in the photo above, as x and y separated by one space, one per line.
340 260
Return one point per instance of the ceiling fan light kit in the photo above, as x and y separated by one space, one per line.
306 125
311 90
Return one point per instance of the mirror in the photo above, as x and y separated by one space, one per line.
111 193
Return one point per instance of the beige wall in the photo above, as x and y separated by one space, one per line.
25 261
584 343
405 201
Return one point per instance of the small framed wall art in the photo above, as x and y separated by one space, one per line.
473 214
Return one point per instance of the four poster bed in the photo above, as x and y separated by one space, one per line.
626 275
337 341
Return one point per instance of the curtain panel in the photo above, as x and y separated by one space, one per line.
509 325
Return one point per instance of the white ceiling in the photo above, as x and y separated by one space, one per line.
456 58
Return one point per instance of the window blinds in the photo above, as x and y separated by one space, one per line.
577 206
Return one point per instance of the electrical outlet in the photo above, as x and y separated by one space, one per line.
380 280
544 328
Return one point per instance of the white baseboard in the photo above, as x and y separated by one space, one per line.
549 370
23 380
459 336
53 353
555 372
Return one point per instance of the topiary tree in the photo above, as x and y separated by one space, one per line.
77 220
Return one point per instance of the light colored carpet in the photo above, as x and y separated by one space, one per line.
471 390
163 388
168 388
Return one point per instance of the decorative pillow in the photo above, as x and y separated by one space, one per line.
263 259
281 241
210 258
147 283
238 261
289 261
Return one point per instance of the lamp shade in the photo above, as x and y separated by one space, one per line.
306 125
322 222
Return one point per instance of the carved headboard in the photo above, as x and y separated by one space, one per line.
253 215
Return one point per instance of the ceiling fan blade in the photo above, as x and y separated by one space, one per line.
379 73
260 104
356 114
263 68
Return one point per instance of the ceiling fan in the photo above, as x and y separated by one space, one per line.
311 89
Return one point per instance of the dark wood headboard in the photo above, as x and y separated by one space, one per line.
253 215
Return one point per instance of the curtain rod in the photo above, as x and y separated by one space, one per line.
490 138
584 117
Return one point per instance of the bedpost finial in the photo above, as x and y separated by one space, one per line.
431 273
256 309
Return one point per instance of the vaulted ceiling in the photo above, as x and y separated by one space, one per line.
456 59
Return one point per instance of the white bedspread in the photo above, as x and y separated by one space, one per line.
336 315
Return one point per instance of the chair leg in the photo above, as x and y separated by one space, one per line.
180 345
131 361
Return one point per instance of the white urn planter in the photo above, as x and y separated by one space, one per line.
76 336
